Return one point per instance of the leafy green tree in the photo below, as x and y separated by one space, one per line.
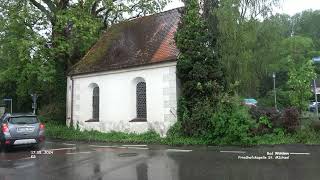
246 44
301 70
199 71
307 24
24 65
42 39
299 82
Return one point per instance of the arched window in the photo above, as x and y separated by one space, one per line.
95 103
141 100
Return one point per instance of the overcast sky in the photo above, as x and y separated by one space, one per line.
288 6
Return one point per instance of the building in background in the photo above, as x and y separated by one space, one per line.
127 81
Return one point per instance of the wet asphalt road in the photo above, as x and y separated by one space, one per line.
67 160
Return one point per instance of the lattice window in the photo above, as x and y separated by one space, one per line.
95 104
141 100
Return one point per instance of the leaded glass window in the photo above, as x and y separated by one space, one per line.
141 100
95 103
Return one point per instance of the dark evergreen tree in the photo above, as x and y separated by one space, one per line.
199 71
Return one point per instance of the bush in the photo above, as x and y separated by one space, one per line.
290 119
195 120
262 115
55 112
231 124
315 125
175 130
282 99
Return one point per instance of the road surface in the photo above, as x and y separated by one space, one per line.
68 160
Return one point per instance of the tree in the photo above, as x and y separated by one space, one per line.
76 25
24 65
307 24
42 39
301 70
244 40
199 71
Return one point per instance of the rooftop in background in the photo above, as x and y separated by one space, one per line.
141 41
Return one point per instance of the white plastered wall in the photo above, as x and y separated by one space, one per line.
117 99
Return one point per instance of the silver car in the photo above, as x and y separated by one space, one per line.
21 130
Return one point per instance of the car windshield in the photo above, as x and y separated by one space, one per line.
252 101
23 120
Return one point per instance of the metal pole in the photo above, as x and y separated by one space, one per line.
315 96
11 105
274 89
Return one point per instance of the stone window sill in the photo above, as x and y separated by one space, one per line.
139 120
92 120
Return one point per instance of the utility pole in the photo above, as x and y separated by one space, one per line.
274 90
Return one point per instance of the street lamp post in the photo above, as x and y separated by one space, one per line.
274 90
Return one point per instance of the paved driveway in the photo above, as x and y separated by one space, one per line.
67 160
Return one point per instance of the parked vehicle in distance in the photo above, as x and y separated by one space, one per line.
21 129
312 106
250 102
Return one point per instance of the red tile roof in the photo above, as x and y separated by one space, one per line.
142 41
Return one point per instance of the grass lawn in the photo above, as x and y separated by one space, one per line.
60 131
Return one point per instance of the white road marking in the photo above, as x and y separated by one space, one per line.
121 147
235 152
136 145
60 149
80 152
300 153
67 144
25 166
179 150
26 158
137 148
107 146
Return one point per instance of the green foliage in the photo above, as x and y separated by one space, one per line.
265 122
231 123
78 30
53 111
301 70
307 24
247 46
199 71
40 41
57 130
24 61
175 130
